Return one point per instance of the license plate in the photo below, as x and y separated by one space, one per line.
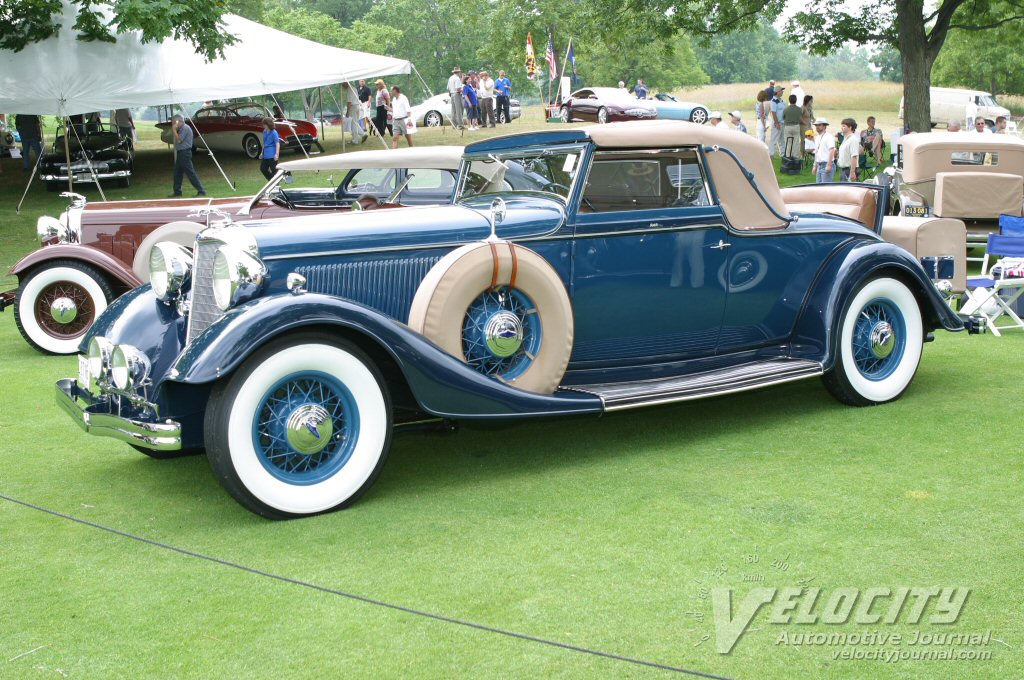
83 372
83 178
917 211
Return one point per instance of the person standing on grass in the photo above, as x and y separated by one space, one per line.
486 94
849 152
455 95
400 111
271 148
183 142
824 153
807 118
503 88
382 100
761 114
364 105
777 107
470 101
1000 125
31 133
791 116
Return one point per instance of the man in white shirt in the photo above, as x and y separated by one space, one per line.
455 95
485 94
849 152
824 153
799 92
981 127
400 111
715 120
351 114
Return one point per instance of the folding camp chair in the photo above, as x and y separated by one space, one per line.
993 297
1011 225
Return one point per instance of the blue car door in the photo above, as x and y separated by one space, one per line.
648 248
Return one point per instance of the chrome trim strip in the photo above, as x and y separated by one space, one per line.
165 436
692 397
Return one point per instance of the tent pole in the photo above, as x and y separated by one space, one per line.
88 163
215 162
67 149
320 101
425 86
35 168
342 110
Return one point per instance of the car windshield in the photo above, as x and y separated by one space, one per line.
550 171
987 100
251 111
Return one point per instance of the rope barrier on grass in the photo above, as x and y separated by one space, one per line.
362 598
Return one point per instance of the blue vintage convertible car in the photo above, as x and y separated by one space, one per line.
644 263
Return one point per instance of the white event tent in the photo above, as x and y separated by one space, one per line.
63 76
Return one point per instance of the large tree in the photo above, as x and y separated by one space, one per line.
990 60
23 22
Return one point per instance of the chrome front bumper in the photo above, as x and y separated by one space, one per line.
86 176
93 415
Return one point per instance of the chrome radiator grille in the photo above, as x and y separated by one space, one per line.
388 285
204 311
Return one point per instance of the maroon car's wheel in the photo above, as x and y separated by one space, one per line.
602 115
564 115
58 303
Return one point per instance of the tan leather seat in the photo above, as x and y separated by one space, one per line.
978 195
856 203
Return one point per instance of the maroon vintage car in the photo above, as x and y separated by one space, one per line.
239 127
605 105
95 252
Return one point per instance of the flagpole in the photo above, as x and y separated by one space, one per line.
561 75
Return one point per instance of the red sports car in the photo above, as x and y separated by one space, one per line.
239 127
604 105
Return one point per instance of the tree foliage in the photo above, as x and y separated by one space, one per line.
752 56
843 64
890 64
986 60
23 22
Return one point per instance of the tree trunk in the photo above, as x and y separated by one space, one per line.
917 66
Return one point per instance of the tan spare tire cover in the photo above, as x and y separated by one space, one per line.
444 297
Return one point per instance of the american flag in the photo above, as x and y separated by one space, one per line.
549 57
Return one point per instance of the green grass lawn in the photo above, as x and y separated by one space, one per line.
596 533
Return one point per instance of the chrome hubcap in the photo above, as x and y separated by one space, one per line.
309 429
883 339
63 310
503 334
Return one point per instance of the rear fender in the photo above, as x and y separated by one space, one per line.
106 263
441 384
816 334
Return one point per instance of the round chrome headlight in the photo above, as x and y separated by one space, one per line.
50 227
170 268
237 276
128 367
100 351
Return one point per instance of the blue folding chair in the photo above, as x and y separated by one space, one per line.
1011 225
993 297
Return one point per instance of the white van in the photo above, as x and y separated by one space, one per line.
950 103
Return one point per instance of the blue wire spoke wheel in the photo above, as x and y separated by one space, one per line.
306 428
879 339
501 335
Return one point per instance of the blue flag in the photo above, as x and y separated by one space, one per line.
571 57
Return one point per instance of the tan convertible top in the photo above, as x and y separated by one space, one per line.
925 154
440 157
741 204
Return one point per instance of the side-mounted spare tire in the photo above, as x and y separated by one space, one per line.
500 308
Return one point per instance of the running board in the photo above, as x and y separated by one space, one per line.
616 396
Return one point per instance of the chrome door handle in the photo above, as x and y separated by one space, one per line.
721 245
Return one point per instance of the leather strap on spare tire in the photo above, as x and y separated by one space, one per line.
448 309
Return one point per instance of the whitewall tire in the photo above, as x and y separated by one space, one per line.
880 340
303 427
58 302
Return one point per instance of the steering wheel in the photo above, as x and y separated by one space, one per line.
554 186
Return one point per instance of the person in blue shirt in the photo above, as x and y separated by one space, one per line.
271 148
503 90
472 115
640 90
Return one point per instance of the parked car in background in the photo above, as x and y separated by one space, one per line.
950 103
94 252
437 111
671 108
239 127
639 264
605 105
97 153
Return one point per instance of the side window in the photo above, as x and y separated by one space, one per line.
372 181
644 181
430 181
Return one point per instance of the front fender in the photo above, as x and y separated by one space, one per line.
818 326
91 256
441 384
